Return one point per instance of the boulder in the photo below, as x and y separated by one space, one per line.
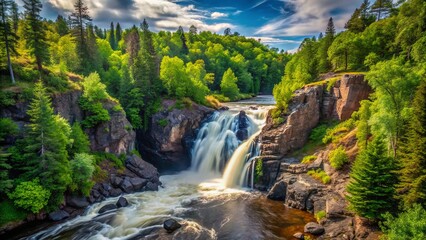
77 201
278 191
126 186
299 235
171 225
58 215
115 192
107 208
150 186
314 228
116 181
141 168
122 202
298 195
138 183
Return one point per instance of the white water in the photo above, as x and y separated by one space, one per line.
187 195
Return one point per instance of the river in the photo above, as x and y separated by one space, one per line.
212 200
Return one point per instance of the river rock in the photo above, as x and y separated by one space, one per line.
58 215
151 186
171 225
168 147
314 228
122 202
115 192
107 208
278 191
77 201
126 186
299 235
298 195
141 168
243 124
138 183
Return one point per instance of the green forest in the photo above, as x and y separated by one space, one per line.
137 68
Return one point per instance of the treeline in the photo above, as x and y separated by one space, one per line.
388 42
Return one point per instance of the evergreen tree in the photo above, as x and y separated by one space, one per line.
118 33
8 37
372 179
45 154
5 182
15 16
133 44
34 32
227 32
355 23
111 38
181 34
412 187
324 63
80 18
80 141
381 7
61 26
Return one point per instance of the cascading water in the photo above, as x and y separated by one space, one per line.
198 199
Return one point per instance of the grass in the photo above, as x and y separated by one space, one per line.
320 215
10 213
335 134
338 157
320 175
309 159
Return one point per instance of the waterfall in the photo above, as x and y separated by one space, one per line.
217 148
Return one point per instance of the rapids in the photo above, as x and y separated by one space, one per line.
211 200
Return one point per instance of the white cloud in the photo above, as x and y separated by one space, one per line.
215 15
310 17
160 14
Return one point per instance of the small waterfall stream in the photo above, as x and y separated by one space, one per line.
207 200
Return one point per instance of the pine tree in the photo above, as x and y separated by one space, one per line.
15 17
5 181
45 154
118 33
355 23
80 141
372 179
324 63
34 32
8 37
412 188
111 38
133 44
381 6
181 34
61 26
80 19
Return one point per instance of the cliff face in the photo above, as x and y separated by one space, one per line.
115 136
287 178
308 107
168 141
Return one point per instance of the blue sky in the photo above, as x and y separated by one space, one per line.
279 23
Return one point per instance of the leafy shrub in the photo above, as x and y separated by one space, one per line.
82 169
212 102
162 122
58 82
338 157
30 196
309 159
7 127
320 215
10 213
318 133
221 98
118 161
410 224
96 113
320 175
94 89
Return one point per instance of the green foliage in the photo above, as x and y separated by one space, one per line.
7 127
320 215
79 141
309 159
335 134
338 157
94 89
82 169
320 175
319 132
10 213
371 187
363 128
410 224
258 170
6 98
30 196
163 122
412 154
228 86
118 161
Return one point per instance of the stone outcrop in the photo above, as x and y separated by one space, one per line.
168 141
115 136
308 107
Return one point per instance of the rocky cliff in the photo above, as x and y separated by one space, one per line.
168 141
308 107
287 179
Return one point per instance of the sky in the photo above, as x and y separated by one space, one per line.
278 23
